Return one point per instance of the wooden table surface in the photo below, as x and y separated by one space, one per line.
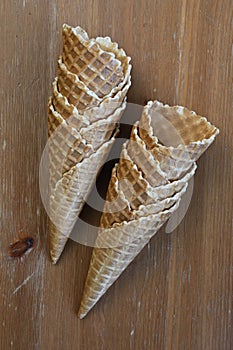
177 294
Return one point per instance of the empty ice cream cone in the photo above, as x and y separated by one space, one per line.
88 100
145 190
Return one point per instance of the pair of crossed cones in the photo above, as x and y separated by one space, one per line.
154 168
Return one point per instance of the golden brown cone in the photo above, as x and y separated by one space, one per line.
89 97
123 240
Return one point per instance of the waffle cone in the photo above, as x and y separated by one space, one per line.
89 97
145 189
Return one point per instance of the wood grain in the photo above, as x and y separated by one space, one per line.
177 294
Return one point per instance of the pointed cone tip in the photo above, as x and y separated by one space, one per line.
53 258
81 315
